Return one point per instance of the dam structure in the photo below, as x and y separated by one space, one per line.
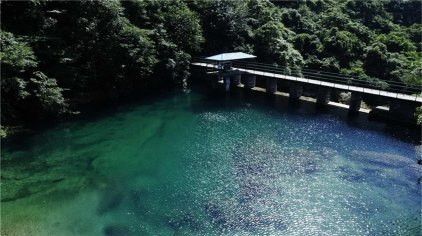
239 70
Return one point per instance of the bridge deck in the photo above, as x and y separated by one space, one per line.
400 96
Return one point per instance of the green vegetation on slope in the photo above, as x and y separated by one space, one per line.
57 55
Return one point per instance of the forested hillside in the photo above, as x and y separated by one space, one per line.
58 55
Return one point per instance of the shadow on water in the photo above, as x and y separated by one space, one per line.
212 100
87 114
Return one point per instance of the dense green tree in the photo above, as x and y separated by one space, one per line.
343 45
184 27
293 19
25 90
308 44
177 22
260 12
319 6
16 56
224 25
176 33
376 57
396 66
412 73
405 12
396 42
358 72
328 64
363 33
415 34
272 45
371 13
334 18
110 52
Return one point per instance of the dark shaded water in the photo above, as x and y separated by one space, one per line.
189 164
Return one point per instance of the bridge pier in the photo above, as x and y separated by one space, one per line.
250 81
235 80
271 85
323 96
227 83
214 80
296 91
403 110
355 102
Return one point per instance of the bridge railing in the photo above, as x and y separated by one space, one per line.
348 80
396 87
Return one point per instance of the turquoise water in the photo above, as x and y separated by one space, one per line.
188 164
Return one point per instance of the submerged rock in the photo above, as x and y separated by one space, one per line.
218 216
354 178
13 189
117 230
110 199
186 221
383 159
12 195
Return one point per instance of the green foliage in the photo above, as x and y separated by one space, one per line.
329 64
14 86
308 44
15 54
17 58
344 97
23 89
405 12
370 13
139 55
225 25
110 53
356 69
344 45
376 57
183 27
293 19
334 19
412 73
415 34
363 33
175 30
272 45
418 115
174 19
47 95
3 132
396 42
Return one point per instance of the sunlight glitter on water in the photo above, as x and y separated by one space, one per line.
185 165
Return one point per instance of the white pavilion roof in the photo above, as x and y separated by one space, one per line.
230 56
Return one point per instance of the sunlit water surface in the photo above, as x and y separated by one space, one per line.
192 165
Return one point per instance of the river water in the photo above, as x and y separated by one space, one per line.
195 164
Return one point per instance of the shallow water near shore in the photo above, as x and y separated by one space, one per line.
191 164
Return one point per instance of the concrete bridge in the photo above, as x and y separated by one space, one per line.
403 99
